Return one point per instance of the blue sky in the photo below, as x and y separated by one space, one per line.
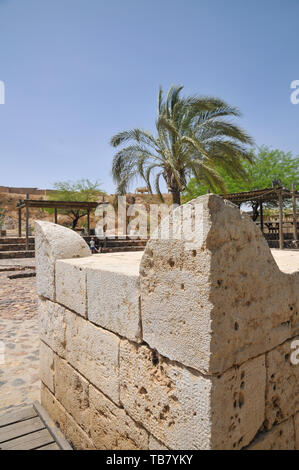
78 71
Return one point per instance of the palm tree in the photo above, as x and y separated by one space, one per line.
194 137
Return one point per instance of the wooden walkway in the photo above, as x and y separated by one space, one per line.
30 428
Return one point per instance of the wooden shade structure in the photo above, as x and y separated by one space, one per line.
275 194
33 203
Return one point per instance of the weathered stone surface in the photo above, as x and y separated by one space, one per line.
205 299
154 444
53 408
185 410
54 242
94 353
71 284
46 357
169 401
281 437
111 427
52 324
282 397
113 294
89 349
71 390
238 405
72 432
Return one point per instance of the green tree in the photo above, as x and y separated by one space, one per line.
270 166
194 136
82 190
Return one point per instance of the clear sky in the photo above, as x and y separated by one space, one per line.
78 71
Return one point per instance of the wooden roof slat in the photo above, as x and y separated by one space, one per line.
58 204
266 194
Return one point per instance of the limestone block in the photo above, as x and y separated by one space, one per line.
281 437
54 242
71 284
113 294
154 444
52 325
282 396
238 404
205 298
46 358
76 436
53 408
111 427
93 352
168 400
186 410
72 432
71 390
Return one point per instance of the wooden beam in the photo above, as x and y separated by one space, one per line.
50 425
55 215
20 221
88 222
280 202
262 216
59 204
294 212
27 224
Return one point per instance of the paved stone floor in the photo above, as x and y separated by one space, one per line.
19 341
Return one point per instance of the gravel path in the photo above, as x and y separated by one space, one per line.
19 340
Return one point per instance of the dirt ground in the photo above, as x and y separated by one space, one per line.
19 361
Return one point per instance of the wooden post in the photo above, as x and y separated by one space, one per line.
55 215
20 222
280 200
88 222
294 212
27 224
262 216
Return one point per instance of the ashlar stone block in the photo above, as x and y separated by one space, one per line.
111 427
54 242
186 410
114 294
71 390
46 358
282 395
93 352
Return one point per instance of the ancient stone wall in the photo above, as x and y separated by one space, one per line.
187 348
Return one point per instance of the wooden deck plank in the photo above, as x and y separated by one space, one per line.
29 442
21 428
53 446
30 428
50 425
11 417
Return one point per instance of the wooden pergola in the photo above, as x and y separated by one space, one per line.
275 194
56 205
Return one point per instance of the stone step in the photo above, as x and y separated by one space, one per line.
15 247
16 254
124 243
15 240
113 239
122 249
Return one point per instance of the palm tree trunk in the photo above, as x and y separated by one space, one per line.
176 196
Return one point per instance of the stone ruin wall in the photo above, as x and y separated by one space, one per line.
189 350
